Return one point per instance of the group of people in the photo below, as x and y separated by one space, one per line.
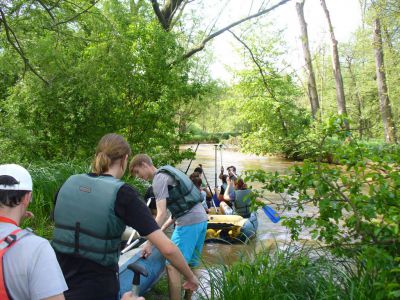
90 214
230 196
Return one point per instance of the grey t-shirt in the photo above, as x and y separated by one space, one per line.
195 215
31 270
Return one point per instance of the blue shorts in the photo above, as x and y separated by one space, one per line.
190 240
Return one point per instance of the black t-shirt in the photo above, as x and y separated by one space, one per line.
88 280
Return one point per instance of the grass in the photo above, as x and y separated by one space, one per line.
47 180
159 291
290 273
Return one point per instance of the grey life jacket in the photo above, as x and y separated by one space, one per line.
85 221
243 203
184 195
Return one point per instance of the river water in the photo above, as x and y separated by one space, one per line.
268 234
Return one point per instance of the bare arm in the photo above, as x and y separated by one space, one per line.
228 188
161 221
168 223
161 216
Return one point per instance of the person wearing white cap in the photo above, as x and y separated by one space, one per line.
28 265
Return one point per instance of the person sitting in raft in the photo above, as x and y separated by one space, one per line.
90 215
231 170
196 179
223 187
236 199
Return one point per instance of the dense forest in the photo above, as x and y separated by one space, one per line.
73 70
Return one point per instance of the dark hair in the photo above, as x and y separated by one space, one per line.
240 185
111 147
195 178
232 167
10 198
199 170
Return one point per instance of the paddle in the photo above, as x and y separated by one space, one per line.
214 196
271 213
129 246
192 158
220 152
215 165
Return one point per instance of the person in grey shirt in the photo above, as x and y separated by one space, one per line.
30 268
191 227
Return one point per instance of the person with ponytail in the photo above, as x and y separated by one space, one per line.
90 215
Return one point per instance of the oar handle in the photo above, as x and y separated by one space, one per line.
137 270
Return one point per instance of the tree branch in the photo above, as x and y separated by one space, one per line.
77 15
159 14
261 71
46 8
217 33
17 46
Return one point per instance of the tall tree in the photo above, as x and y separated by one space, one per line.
312 86
386 110
340 98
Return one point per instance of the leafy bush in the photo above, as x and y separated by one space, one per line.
358 203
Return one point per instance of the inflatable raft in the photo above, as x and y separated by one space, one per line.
154 265
231 228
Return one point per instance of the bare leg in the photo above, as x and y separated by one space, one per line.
174 283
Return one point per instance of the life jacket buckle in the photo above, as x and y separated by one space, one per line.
10 239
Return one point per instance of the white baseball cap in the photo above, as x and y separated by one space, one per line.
20 174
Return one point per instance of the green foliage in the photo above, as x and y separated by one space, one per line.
107 71
291 273
357 201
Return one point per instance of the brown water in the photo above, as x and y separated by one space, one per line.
268 234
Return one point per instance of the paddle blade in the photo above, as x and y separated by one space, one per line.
271 214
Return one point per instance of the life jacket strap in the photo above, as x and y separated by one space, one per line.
5 245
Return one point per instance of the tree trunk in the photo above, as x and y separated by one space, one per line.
340 99
386 110
312 86
360 102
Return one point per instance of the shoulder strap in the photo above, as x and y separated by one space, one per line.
13 237
5 245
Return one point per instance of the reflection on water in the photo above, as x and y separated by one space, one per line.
268 234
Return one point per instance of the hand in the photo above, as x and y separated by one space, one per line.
222 169
191 284
130 296
146 250
28 214
228 180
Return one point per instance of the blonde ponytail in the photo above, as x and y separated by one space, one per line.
111 147
101 163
